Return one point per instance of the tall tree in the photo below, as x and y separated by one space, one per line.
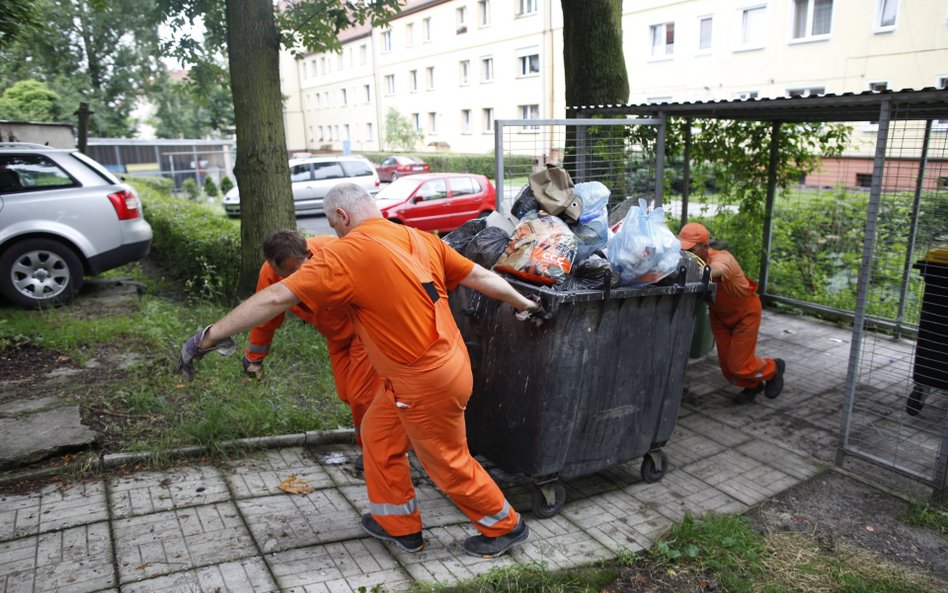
595 74
252 34
16 17
191 108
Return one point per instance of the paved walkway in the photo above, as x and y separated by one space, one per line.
227 527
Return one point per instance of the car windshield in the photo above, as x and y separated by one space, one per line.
398 189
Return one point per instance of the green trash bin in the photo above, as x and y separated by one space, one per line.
703 340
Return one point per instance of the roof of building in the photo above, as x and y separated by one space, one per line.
907 104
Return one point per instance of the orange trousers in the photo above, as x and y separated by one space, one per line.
424 411
357 382
735 335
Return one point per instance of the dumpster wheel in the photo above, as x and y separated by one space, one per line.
916 401
548 499
652 472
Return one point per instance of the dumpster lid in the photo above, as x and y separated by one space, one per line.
937 255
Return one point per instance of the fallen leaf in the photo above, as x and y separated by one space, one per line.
870 529
181 385
294 485
62 358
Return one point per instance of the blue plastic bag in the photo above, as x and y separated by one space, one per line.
592 232
644 250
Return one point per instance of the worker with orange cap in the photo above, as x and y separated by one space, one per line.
356 381
735 319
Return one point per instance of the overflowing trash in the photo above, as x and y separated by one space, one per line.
541 250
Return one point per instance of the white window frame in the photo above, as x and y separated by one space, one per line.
746 95
705 50
416 121
465 121
808 35
660 30
410 35
344 96
426 29
389 84
487 120
873 126
363 54
523 63
430 78
413 81
531 111
369 132
367 92
742 13
527 7
460 16
487 61
345 131
386 41
432 122
464 72
877 26
483 13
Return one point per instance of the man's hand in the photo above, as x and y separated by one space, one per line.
191 350
537 312
253 369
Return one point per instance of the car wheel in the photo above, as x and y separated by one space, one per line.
40 272
394 177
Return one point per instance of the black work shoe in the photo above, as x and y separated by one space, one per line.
747 395
410 543
358 463
492 547
775 385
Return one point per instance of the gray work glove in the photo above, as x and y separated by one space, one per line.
538 315
253 368
191 350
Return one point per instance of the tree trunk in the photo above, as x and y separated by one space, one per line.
261 169
595 73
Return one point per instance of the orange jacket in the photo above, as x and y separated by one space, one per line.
736 293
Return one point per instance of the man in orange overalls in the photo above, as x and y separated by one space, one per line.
356 381
735 320
396 279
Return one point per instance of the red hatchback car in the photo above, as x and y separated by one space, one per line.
399 166
437 201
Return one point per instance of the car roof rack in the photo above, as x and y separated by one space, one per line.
25 145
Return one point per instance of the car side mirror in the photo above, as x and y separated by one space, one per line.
417 199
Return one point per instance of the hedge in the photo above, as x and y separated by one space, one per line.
195 243
482 164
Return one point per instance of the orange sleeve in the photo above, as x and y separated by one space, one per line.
258 342
322 281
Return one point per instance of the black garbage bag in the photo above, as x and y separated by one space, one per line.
593 273
484 249
524 202
460 237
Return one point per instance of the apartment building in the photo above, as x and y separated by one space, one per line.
454 66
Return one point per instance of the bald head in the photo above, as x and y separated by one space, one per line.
347 205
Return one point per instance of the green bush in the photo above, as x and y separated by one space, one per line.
210 188
481 164
162 184
191 189
226 185
195 243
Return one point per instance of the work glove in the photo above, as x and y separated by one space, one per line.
253 368
191 350
538 315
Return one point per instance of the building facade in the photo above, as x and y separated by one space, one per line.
454 66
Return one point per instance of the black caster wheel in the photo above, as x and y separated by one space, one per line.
651 472
548 499
916 401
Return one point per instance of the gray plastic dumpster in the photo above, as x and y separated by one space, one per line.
598 384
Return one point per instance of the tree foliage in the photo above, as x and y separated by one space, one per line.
30 100
399 131
192 108
16 17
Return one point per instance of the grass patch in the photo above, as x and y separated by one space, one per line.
533 578
924 515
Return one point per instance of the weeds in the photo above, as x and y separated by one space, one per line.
924 515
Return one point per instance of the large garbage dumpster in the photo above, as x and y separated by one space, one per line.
598 384
930 370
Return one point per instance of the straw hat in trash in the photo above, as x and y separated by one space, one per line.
553 189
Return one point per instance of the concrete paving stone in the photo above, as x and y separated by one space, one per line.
608 480
261 473
74 560
150 492
443 561
789 462
336 461
618 521
287 521
679 493
715 430
26 438
182 539
687 446
436 508
338 568
558 544
241 576
740 476
55 506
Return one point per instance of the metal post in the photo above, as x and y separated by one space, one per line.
940 482
686 174
913 228
875 191
660 160
501 200
769 207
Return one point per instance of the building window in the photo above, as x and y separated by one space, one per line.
322 66
426 28
887 12
941 83
344 95
345 131
663 39
312 68
390 84
430 77
487 69
753 27
704 33
464 72
526 7
369 135
487 118
812 19
461 18
812 91
319 100
363 54
367 92
387 40
864 180
416 122
529 64
432 122
744 95
413 80
483 13
530 112
321 137
465 121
